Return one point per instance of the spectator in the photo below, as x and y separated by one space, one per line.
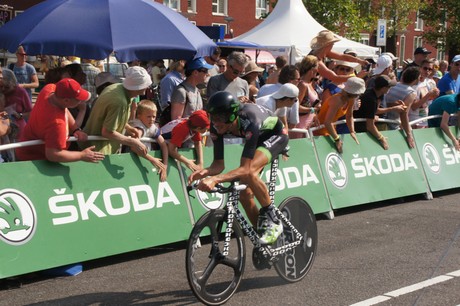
369 108
103 80
111 112
230 80
174 77
250 75
17 102
426 93
280 62
338 105
212 60
186 97
420 54
25 73
178 131
289 74
321 46
222 65
309 100
157 72
448 83
280 101
144 125
91 73
445 106
404 94
443 66
51 122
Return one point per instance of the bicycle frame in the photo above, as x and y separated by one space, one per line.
234 211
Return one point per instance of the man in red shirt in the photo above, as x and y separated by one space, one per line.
51 121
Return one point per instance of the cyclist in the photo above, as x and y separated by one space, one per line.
265 140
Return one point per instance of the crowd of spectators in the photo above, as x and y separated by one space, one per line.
78 99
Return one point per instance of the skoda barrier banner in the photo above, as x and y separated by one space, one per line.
53 214
366 172
440 158
298 176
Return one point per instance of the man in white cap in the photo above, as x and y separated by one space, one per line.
280 101
110 115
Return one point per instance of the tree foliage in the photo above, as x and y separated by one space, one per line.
442 25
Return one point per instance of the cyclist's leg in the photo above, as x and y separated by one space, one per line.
249 205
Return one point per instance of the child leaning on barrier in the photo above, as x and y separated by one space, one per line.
144 126
178 131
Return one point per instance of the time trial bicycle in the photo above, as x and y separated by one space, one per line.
215 255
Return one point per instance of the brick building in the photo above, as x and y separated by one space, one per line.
239 16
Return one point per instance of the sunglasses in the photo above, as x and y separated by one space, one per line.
236 71
346 69
203 70
457 64
221 66
427 68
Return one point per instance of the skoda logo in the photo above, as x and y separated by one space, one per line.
431 156
18 219
336 170
210 201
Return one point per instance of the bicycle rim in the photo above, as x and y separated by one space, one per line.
214 278
295 264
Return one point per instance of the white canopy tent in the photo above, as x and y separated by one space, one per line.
289 29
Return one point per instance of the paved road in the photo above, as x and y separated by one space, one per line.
384 252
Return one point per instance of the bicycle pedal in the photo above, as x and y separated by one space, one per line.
259 260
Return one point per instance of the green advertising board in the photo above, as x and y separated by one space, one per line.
367 173
440 159
53 214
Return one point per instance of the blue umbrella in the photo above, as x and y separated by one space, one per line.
133 29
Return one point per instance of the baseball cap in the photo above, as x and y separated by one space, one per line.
421 50
106 77
196 64
391 55
384 81
199 119
383 63
70 89
136 78
286 90
456 58
355 86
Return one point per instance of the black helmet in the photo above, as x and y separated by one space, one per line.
223 102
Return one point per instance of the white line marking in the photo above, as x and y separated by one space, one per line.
408 289
418 286
373 301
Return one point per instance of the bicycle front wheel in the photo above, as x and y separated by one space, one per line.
213 275
294 265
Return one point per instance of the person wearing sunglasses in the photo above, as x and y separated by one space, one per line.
186 97
448 83
426 93
231 81
25 73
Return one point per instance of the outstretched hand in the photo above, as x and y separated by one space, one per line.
91 156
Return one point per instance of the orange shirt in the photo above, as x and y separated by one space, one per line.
323 112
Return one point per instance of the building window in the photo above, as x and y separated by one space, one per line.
440 54
191 6
364 38
402 49
173 4
418 22
219 7
261 8
418 42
